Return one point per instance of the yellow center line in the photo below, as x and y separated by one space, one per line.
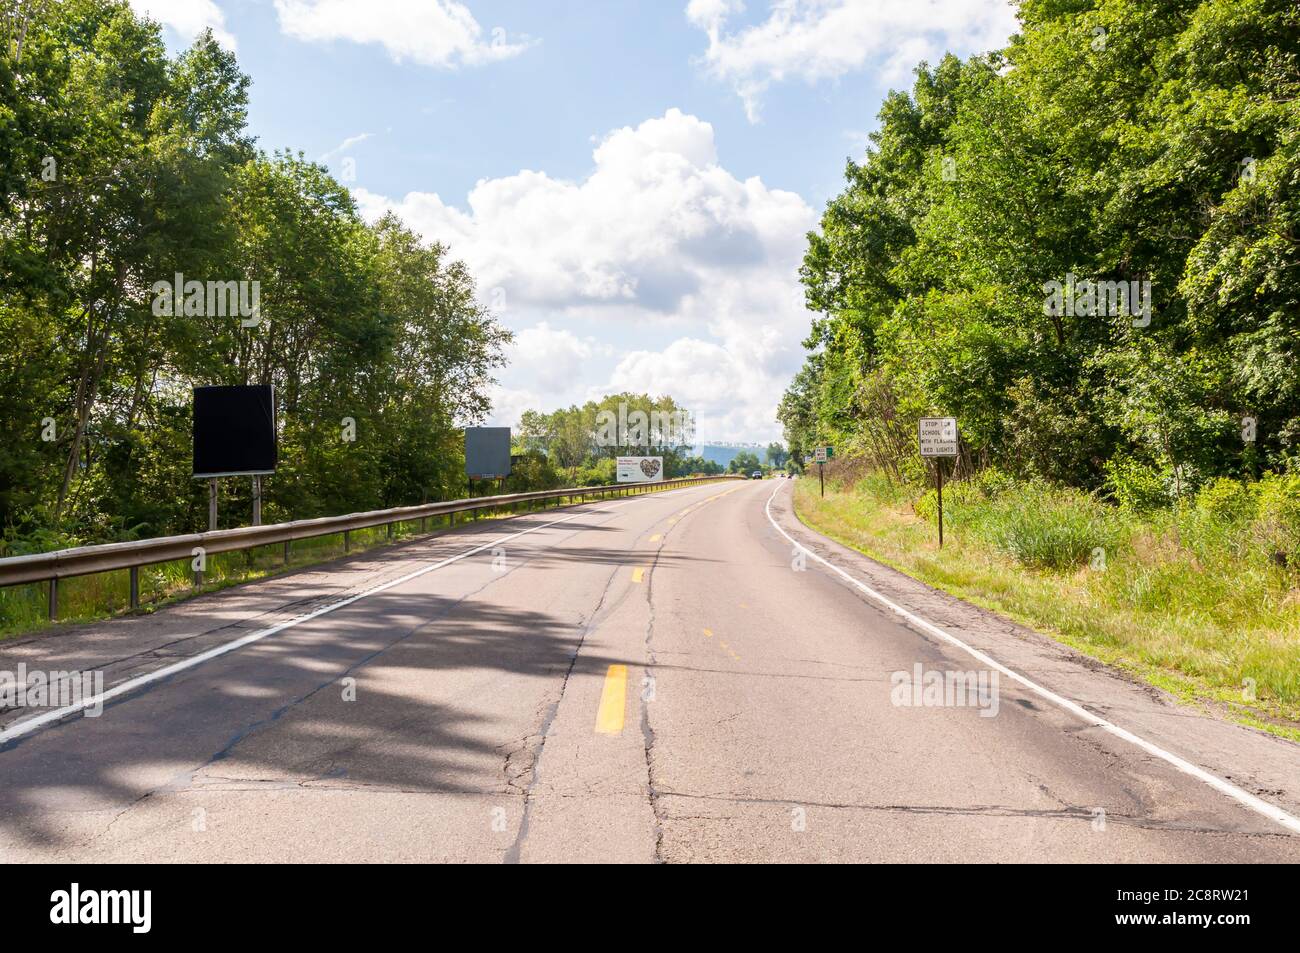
638 574
695 506
613 701
656 537
708 633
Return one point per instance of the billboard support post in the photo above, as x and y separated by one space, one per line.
212 505
257 499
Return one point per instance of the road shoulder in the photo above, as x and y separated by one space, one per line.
1259 763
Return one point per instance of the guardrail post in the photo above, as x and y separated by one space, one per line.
135 587
54 599
390 530
347 541
286 552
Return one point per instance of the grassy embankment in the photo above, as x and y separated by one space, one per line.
1204 603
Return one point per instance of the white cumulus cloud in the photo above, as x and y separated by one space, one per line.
814 40
553 359
659 272
188 18
440 33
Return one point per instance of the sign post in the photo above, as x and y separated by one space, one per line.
937 437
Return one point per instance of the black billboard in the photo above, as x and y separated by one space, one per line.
234 430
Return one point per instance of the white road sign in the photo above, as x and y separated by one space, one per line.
938 436
821 454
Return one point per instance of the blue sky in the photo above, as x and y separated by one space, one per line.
629 180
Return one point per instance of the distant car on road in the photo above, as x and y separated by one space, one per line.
756 475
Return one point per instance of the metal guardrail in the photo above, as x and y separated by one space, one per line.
109 557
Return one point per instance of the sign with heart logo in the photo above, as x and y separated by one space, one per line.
639 469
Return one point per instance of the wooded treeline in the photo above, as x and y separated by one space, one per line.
1112 141
578 445
123 166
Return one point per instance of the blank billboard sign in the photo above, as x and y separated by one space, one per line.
487 452
234 430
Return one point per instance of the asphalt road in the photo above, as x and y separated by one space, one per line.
666 678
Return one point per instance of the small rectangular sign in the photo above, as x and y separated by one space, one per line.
820 454
639 469
937 436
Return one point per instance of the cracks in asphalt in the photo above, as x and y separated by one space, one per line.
117 816
552 708
188 779
328 785
1070 813
793 676
520 759
647 730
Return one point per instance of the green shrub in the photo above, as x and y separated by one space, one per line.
1136 486
601 473
1276 527
879 486
993 482
1227 501
1044 528
926 505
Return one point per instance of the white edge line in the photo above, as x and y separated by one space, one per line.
1259 806
59 714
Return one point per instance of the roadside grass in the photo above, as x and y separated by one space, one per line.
105 595
1183 602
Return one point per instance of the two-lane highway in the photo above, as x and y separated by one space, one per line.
661 678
